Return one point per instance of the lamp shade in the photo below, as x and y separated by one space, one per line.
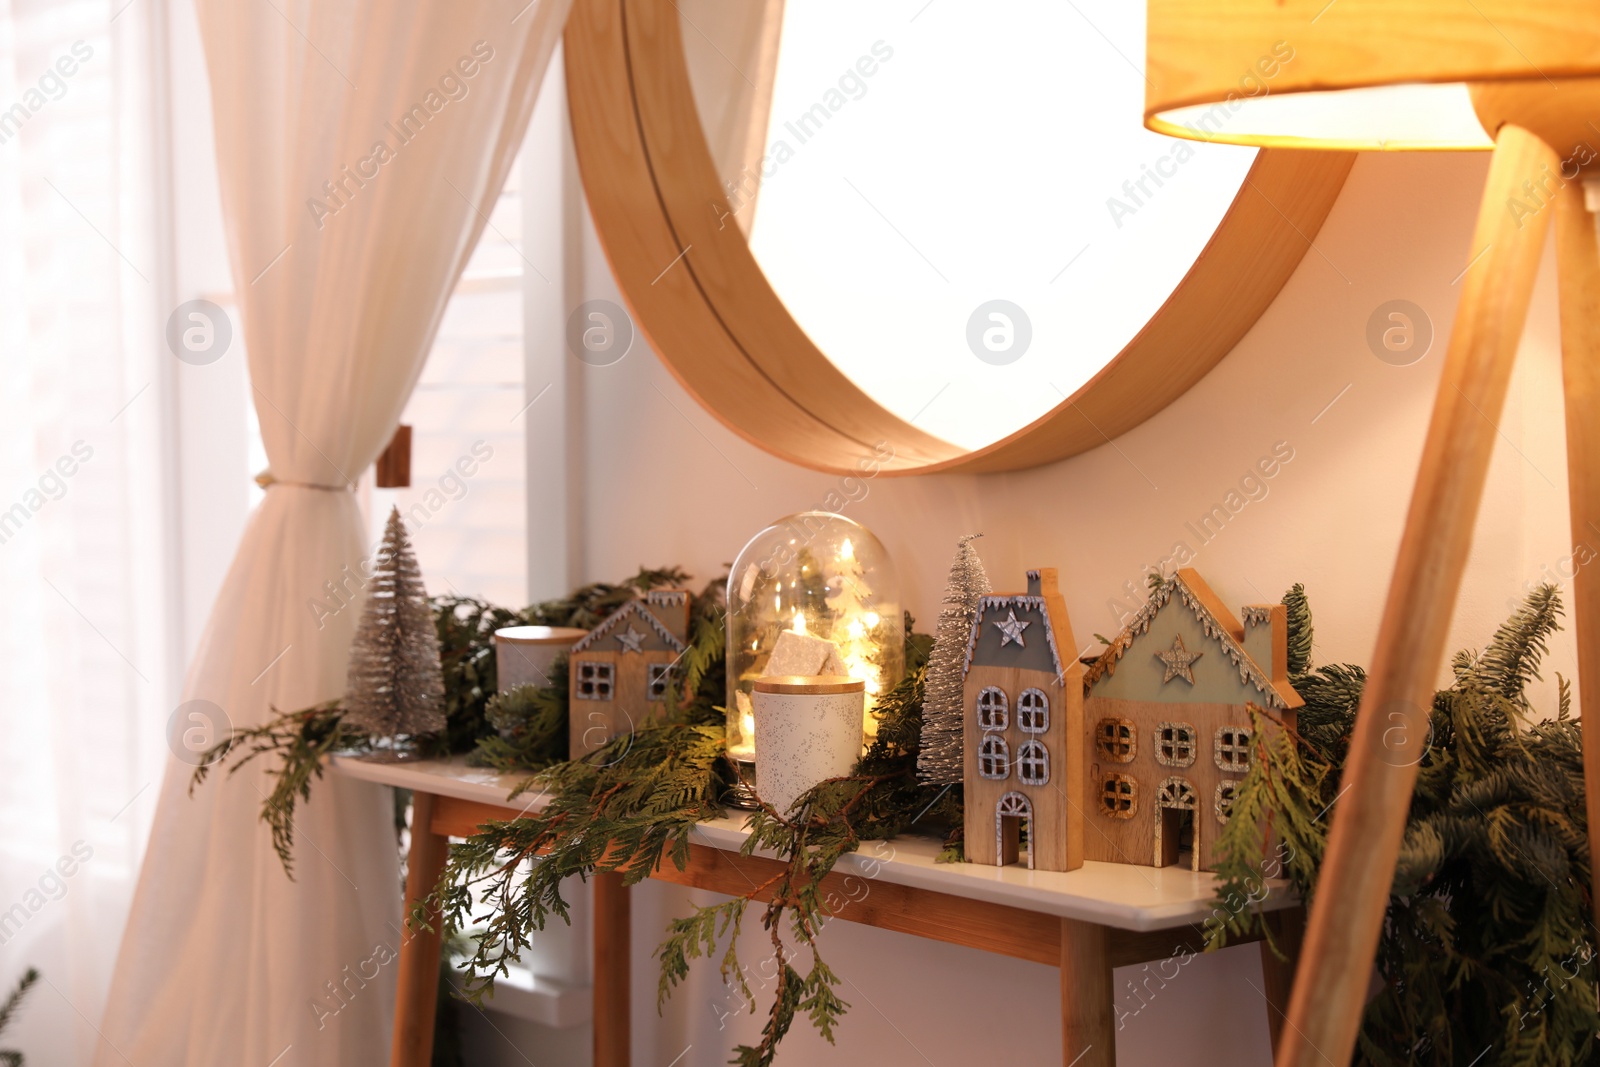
1353 74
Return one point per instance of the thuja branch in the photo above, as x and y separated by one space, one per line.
299 740
881 799
627 807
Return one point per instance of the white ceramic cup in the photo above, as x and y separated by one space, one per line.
808 729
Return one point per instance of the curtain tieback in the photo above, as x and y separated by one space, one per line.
267 480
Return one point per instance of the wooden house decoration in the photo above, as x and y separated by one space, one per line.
1024 733
1169 727
618 675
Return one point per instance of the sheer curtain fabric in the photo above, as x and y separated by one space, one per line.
361 144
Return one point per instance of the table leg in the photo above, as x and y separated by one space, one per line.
418 987
612 938
1088 1032
1580 346
1277 976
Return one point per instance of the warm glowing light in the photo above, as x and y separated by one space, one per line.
871 619
799 622
856 630
846 550
747 726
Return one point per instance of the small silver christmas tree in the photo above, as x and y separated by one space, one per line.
939 761
395 685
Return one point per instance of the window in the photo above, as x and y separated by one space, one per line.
1233 749
994 758
1033 763
657 677
1117 739
596 681
1224 800
1033 711
992 709
1119 796
1175 744
1176 793
471 425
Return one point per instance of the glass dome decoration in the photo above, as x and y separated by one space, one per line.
825 587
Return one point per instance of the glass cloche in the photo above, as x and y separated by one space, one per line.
812 594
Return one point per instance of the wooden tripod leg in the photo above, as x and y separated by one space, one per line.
1579 260
417 992
1391 730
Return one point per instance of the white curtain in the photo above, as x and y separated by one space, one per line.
87 665
361 144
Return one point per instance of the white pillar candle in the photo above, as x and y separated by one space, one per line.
525 654
808 729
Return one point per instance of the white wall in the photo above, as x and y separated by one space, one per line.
666 484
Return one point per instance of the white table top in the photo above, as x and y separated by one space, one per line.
1111 894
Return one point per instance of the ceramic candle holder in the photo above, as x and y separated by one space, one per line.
524 654
807 729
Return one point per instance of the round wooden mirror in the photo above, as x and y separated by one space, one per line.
843 230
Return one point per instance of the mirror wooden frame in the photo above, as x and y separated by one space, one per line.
699 296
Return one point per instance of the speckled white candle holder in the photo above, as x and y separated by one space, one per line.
807 729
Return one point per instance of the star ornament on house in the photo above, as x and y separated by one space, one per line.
1011 629
630 639
1179 661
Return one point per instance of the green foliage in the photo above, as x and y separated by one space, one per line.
880 799
300 741
530 723
1300 632
1487 951
623 808
12 1058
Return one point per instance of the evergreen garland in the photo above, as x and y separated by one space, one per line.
1487 951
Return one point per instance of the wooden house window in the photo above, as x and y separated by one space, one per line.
1175 744
992 708
1176 793
994 758
1117 739
1033 711
1033 763
1224 800
1119 796
657 677
596 681
1233 749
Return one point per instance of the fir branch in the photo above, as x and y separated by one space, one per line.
1487 953
1300 630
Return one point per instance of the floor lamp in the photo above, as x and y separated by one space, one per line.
1395 75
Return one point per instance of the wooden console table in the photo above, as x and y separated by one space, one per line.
1086 922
